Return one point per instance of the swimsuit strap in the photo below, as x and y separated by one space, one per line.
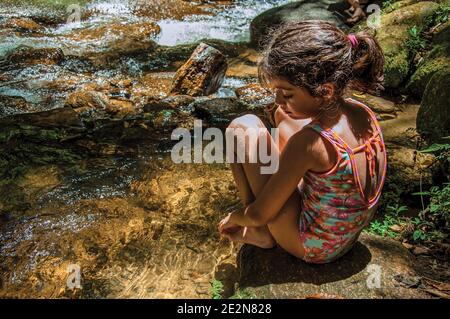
368 148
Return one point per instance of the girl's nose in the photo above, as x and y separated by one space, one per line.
279 100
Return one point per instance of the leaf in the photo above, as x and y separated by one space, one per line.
435 148
417 234
421 193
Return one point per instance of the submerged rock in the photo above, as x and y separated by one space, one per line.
26 56
291 12
255 94
22 25
104 46
13 104
202 74
433 118
168 9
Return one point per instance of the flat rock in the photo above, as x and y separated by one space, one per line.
275 274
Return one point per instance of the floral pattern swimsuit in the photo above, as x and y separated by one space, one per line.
334 207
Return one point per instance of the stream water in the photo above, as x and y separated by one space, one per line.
133 225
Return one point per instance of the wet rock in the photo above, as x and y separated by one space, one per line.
26 56
433 118
260 102
275 274
22 25
291 12
255 94
170 102
141 30
106 45
219 111
173 57
378 104
168 9
437 59
13 105
392 37
89 99
152 85
202 74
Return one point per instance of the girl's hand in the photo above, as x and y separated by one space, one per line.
226 225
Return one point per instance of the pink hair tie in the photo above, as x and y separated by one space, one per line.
353 40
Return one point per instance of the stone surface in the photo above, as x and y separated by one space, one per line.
202 74
291 12
13 104
22 25
378 104
437 59
275 274
433 119
26 56
392 37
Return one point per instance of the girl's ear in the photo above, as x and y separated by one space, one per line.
327 90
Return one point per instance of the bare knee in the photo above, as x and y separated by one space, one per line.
279 116
246 121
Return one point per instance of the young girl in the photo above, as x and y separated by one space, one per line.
332 156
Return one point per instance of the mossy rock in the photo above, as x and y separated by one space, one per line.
437 59
433 118
395 5
392 36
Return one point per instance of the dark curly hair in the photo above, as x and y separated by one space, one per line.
310 53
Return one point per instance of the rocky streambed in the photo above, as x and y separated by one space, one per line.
88 184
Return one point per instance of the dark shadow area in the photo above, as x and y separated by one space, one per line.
259 267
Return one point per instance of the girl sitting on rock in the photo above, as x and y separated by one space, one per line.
332 158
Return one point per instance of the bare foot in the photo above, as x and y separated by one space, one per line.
257 236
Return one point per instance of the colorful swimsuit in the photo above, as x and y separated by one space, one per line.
334 207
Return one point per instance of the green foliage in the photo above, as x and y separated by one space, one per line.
243 294
391 218
435 218
432 223
415 42
439 16
441 151
216 289
387 5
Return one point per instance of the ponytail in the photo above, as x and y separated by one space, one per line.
368 63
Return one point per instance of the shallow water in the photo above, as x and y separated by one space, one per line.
136 225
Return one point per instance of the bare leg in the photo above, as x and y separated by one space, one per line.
284 228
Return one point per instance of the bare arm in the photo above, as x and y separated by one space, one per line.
295 160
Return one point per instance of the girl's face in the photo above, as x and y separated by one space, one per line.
294 101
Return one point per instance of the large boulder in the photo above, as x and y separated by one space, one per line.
291 12
275 274
392 36
437 59
433 118
202 74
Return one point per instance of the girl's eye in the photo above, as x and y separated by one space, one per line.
287 96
